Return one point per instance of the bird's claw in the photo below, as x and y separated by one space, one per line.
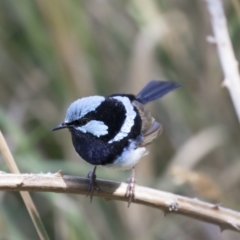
92 186
130 193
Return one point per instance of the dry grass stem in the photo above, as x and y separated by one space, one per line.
225 51
25 195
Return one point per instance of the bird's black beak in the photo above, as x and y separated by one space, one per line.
60 126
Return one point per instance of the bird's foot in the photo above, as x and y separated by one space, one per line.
130 193
92 186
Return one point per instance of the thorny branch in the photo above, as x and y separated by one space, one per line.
167 202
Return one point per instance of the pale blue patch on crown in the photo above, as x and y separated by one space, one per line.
129 120
82 106
97 128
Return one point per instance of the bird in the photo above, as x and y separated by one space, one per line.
114 131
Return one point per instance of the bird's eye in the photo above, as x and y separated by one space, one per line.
81 122
84 121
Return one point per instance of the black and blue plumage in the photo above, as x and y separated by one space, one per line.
114 130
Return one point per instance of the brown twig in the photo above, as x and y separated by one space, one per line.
168 202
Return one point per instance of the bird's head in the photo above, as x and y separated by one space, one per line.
78 117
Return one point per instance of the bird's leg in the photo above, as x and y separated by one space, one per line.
131 187
92 183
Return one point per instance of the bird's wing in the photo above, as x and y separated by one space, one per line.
153 132
150 128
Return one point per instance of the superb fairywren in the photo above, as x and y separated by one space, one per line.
114 130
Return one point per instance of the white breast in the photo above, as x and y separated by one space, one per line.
129 158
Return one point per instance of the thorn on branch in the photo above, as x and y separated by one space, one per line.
222 228
58 173
234 225
20 184
165 213
225 83
216 206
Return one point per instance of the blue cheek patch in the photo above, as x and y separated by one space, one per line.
96 128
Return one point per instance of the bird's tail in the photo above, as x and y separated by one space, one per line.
155 89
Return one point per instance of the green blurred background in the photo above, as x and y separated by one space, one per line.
55 51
